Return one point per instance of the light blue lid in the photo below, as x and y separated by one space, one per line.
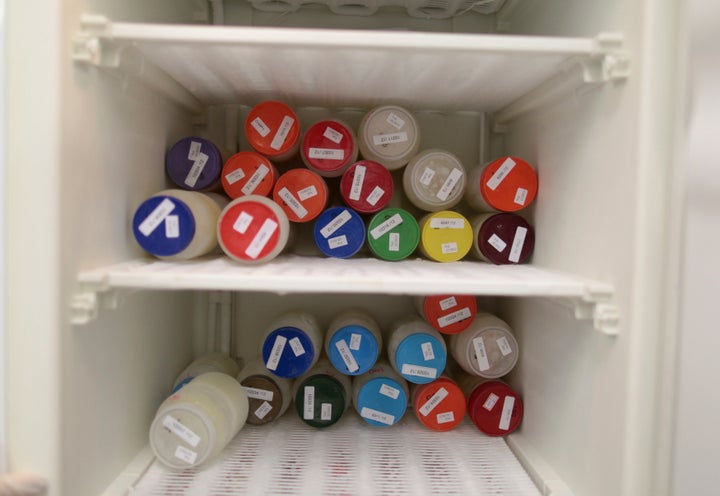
420 358
163 225
381 402
295 352
359 343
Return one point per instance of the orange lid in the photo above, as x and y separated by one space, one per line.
449 314
439 405
248 173
508 184
272 128
301 193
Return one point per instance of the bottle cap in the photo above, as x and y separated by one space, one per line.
265 399
434 180
446 236
366 187
420 358
505 238
272 128
393 234
353 350
163 225
449 314
194 163
301 193
389 135
329 148
320 400
339 232
381 402
508 184
288 352
439 405
248 173
495 408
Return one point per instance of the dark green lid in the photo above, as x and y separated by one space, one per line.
393 234
320 400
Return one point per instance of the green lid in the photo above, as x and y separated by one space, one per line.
320 400
393 234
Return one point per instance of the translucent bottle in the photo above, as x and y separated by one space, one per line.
248 173
194 163
380 395
438 405
353 342
493 406
269 396
209 362
502 239
389 135
448 314
416 350
445 236
273 130
329 147
487 348
292 344
434 180
322 395
506 184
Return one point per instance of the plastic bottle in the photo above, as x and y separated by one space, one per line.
273 130
292 344
380 395
416 350
329 147
493 406
434 180
503 238
302 194
448 314
393 234
353 342
209 362
507 184
194 163
269 396
339 232
367 187
322 395
389 135
248 173
439 405
195 423
487 348
445 236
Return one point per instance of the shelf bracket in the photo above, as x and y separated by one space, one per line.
91 297
595 307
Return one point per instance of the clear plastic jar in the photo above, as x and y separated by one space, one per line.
439 405
209 362
269 396
380 395
389 135
494 407
248 173
448 314
322 395
416 350
353 342
329 147
292 344
487 348
506 184
194 163
445 236
434 180
502 239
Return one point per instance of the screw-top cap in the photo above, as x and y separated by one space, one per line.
163 225
381 402
194 163
495 408
339 232
508 184
439 405
265 398
503 238
393 234
366 187
446 236
248 173
449 314
273 129
288 352
301 193
421 358
353 349
329 147
389 135
320 400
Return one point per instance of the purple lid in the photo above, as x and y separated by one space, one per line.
194 163
506 238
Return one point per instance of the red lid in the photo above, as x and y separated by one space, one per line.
366 187
495 408
249 230
272 128
508 184
439 405
450 314
328 147
301 193
248 173
506 238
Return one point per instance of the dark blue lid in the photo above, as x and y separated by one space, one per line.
163 225
194 163
420 358
359 343
288 352
339 232
381 402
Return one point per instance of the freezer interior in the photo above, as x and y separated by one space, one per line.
579 90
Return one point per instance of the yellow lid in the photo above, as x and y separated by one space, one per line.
446 236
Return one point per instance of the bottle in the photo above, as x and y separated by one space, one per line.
438 405
273 130
507 184
291 345
322 395
493 406
339 232
434 180
194 163
389 135
175 224
353 342
195 423
503 238
269 396
209 362
416 350
487 348
445 236
302 194
393 234
253 229
448 314
380 395
367 187
329 147
248 173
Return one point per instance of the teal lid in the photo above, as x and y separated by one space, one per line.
381 402
420 358
393 234
353 349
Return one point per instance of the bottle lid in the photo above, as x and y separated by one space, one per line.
506 238
163 225
272 128
265 399
495 408
366 187
320 400
446 236
508 184
420 358
381 402
339 232
353 349
393 234
252 229
194 163
492 351
288 352
439 405
301 193
449 314
328 148
389 135
248 173
434 180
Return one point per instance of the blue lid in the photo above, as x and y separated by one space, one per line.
181 384
359 343
194 163
288 352
339 232
381 402
163 225
420 358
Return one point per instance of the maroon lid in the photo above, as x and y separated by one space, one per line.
366 187
495 408
506 238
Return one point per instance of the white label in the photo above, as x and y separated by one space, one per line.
276 352
186 455
386 139
172 226
520 196
261 238
234 176
326 411
383 418
447 223
506 415
419 371
447 248
259 125
434 401
427 176
490 402
497 243
282 133
481 354
156 217
243 222
255 179
259 394
386 226
347 356
263 410
357 184
308 192
336 223
292 202
309 402
501 174
375 195
389 391
332 135
449 184
395 121
327 153
444 418
355 340
447 303
297 347
517 244
394 241
173 425
194 150
427 350
196 169
504 346
456 316
337 242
